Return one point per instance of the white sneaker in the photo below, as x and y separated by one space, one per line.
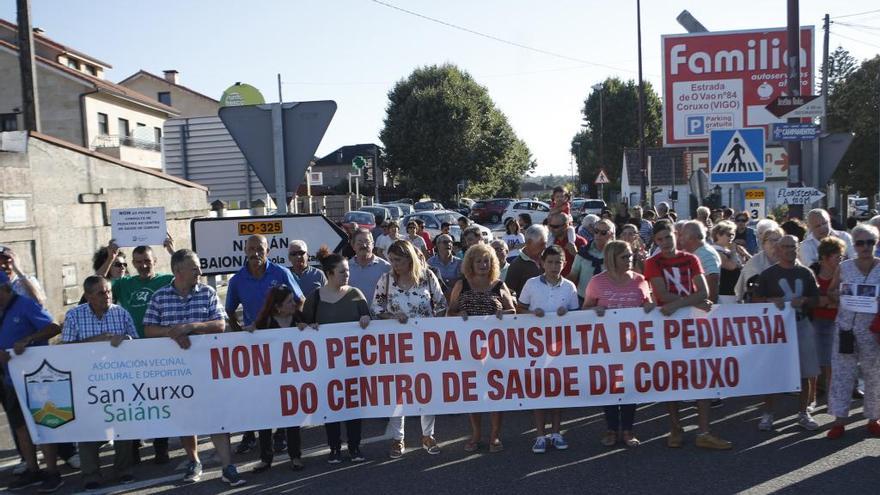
807 422
812 407
766 423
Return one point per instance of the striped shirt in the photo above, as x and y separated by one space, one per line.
169 308
81 323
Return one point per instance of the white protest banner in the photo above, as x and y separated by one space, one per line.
275 378
138 226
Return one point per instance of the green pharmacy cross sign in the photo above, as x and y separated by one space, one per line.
358 162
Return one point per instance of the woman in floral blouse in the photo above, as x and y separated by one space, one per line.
409 290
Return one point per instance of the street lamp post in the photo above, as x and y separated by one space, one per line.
601 89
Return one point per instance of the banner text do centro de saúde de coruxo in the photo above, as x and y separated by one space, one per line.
243 381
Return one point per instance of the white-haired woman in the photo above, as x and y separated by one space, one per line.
857 343
768 238
586 228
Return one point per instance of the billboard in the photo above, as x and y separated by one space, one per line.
723 80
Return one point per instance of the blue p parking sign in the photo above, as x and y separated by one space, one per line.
696 125
736 155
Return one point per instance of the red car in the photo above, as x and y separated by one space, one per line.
489 210
363 219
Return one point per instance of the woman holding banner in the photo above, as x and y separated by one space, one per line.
618 287
857 343
481 292
279 311
409 290
549 293
338 302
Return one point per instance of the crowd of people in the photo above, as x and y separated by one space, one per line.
640 258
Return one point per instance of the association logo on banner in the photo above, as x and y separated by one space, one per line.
50 395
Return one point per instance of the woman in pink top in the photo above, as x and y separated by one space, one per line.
618 287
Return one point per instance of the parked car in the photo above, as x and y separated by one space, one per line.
395 210
380 212
363 219
593 206
577 209
538 210
434 219
428 206
406 208
489 210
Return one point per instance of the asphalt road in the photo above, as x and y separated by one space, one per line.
788 460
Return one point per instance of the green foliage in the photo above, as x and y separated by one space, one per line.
442 128
840 66
853 107
619 113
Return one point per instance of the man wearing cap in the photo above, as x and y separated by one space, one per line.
22 284
24 323
99 320
308 277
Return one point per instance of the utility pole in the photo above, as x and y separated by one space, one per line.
643 150
30 107
823 125
794 89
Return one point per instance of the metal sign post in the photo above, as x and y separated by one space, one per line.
278 152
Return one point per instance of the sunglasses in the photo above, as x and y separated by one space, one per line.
865 242
742 220
556 225
120 265
296 253
603 232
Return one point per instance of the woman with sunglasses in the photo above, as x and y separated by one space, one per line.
745 236
409 290
733 257
588 261
857 342
279 311
481 292
412 235
337 302
618 287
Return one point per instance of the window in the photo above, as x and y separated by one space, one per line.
123 129
8 122
103 124
91 69
141 125
521 206
73 64
164 97
157 134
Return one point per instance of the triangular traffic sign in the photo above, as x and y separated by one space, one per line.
602 178
736 156
304 124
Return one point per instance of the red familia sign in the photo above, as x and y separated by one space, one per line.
724 80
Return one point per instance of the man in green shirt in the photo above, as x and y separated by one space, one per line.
134 293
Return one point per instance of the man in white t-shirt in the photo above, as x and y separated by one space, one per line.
819 224
693 240
386 240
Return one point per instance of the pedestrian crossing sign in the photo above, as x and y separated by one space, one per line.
736 155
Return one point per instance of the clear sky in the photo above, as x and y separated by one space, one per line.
353 51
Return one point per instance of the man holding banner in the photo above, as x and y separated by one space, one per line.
677 281
96 321
177 311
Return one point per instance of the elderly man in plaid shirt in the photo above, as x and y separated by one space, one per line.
184 308
99 321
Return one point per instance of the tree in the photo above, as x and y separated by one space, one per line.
442 128
620 115
853 107
840 66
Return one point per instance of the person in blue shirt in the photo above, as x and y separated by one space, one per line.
249 286
24 323
307 277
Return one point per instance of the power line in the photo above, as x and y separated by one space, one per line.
856 14
500 40
856 40
859 30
